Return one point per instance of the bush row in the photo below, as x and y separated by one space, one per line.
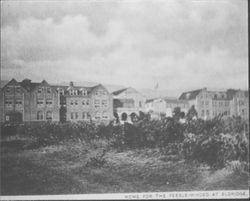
214 141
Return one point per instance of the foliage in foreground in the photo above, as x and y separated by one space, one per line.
215 142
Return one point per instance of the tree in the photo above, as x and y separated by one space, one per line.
177 113
124 116
191 113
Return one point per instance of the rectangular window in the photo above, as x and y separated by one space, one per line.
84 116
97 103
83 102
88 115
49 102
76 115
207 103
207 112
72 115
39 90
7 90
72 102
84 92
104 103
203 113
39 103
8 103
19 102
87 102
18 90
76 102
48 90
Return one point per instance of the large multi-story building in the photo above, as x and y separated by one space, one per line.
128 101
29 101
34 102
165 106
209 104
80 103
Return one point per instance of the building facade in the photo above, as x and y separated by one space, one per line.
80 103
128 101
27 101
210 104
165 106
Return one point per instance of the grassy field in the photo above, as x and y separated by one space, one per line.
62 169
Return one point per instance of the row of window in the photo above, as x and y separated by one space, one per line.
221 103
206 103
41 89
215 113
16 88
48 115
75 102
48 102
203 113
73 92
98 93
9 103
86 115
75 115
100 103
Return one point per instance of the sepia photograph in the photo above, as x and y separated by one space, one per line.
124 99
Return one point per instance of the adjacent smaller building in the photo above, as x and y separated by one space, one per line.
79 103
128 102
165 106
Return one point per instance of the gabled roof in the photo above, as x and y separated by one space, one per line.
3 83
190 95
119 91
13 82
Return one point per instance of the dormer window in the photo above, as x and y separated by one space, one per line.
39 90
73 92
7 89
18 90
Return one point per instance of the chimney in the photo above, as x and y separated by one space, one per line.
71 84
26 81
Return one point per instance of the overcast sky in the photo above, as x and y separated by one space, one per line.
178 44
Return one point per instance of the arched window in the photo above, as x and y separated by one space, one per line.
48 115
39 115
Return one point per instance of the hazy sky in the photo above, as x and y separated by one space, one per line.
179 44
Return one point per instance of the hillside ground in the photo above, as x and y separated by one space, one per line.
64 169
